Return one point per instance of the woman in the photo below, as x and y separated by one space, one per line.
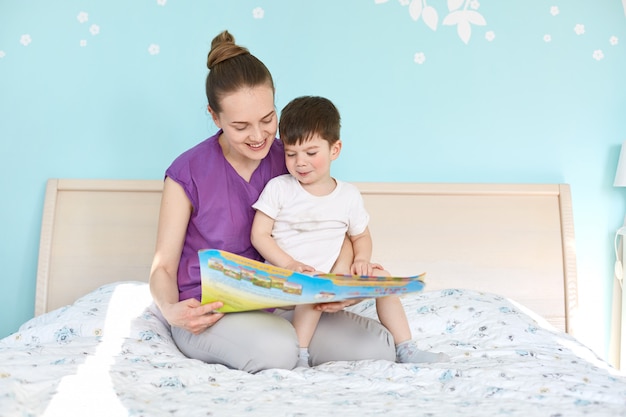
207 203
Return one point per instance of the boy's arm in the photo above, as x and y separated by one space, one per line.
362 246
262 240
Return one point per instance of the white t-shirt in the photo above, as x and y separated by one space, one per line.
311 228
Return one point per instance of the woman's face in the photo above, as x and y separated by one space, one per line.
248 119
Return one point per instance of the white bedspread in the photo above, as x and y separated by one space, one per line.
107 355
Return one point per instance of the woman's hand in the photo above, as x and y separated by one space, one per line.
193 316
336 306
362 268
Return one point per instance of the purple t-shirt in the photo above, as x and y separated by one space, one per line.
222 205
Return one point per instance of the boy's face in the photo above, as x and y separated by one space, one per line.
309 162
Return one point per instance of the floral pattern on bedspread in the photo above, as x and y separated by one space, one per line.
109 355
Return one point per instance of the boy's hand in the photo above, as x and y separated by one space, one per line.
364 268
299 267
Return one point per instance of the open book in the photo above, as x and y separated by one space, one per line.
243 284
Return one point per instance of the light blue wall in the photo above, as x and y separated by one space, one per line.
524 100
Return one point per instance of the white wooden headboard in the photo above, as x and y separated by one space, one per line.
516 240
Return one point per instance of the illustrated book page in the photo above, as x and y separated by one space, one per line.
243 284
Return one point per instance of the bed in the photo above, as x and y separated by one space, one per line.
500 299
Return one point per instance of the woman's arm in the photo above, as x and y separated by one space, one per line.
173 219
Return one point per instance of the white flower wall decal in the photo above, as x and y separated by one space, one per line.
598 54
461 13
25 40
579 29
419 58
464 15
82 17
154 49
464 19
258 13
419 9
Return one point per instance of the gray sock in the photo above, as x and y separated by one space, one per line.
303 358
407 352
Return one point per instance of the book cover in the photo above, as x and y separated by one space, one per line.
243 284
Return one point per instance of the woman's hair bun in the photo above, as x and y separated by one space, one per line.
223 47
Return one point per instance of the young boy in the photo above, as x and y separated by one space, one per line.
302 219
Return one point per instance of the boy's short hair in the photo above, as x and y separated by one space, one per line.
306 116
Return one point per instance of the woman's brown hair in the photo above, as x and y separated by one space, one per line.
232 67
